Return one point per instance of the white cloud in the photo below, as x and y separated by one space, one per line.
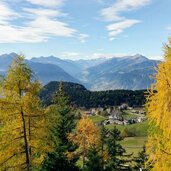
51 27
38 30
156 57
70 55
117 28
47 3
43 12
13 34
39 24
83 38
77 55
102 55
113 13
108 55
6 14
169 28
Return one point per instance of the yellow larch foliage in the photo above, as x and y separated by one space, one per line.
22 121
69 155
85 136
159 114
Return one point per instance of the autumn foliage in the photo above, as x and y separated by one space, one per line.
22 130
85 136
159 114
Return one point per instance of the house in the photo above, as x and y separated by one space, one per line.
116 115
109 110
123 107
125 122
116 122
132 121
134 111
140 111
93 111
106 122
100 109
140 119
130 108
88 113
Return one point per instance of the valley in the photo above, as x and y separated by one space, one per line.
129 72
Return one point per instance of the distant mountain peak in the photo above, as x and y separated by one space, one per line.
127 72
45 57
140 56
13 54
137 58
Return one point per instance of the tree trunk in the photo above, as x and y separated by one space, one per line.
102 148
25 141
84 153
29 134
25 133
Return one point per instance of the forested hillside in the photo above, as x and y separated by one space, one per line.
82 97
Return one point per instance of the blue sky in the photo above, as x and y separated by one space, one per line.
86 29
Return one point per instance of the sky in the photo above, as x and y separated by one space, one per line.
84 29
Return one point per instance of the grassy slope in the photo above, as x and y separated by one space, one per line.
134 144
140 128
131 144
97 118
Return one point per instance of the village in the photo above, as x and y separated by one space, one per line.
119 115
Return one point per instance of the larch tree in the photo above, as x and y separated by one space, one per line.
22 129
86 136
159 116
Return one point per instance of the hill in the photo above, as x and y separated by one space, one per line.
82 97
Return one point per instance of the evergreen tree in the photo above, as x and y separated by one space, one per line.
116 159
94 160
141 161
104 133
23 127
62 122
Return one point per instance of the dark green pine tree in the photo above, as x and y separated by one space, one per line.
104 133
141 161
117 159
93 160
65 123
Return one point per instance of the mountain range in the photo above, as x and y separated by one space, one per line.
129 72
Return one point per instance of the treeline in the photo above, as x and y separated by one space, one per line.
80 96
33 137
